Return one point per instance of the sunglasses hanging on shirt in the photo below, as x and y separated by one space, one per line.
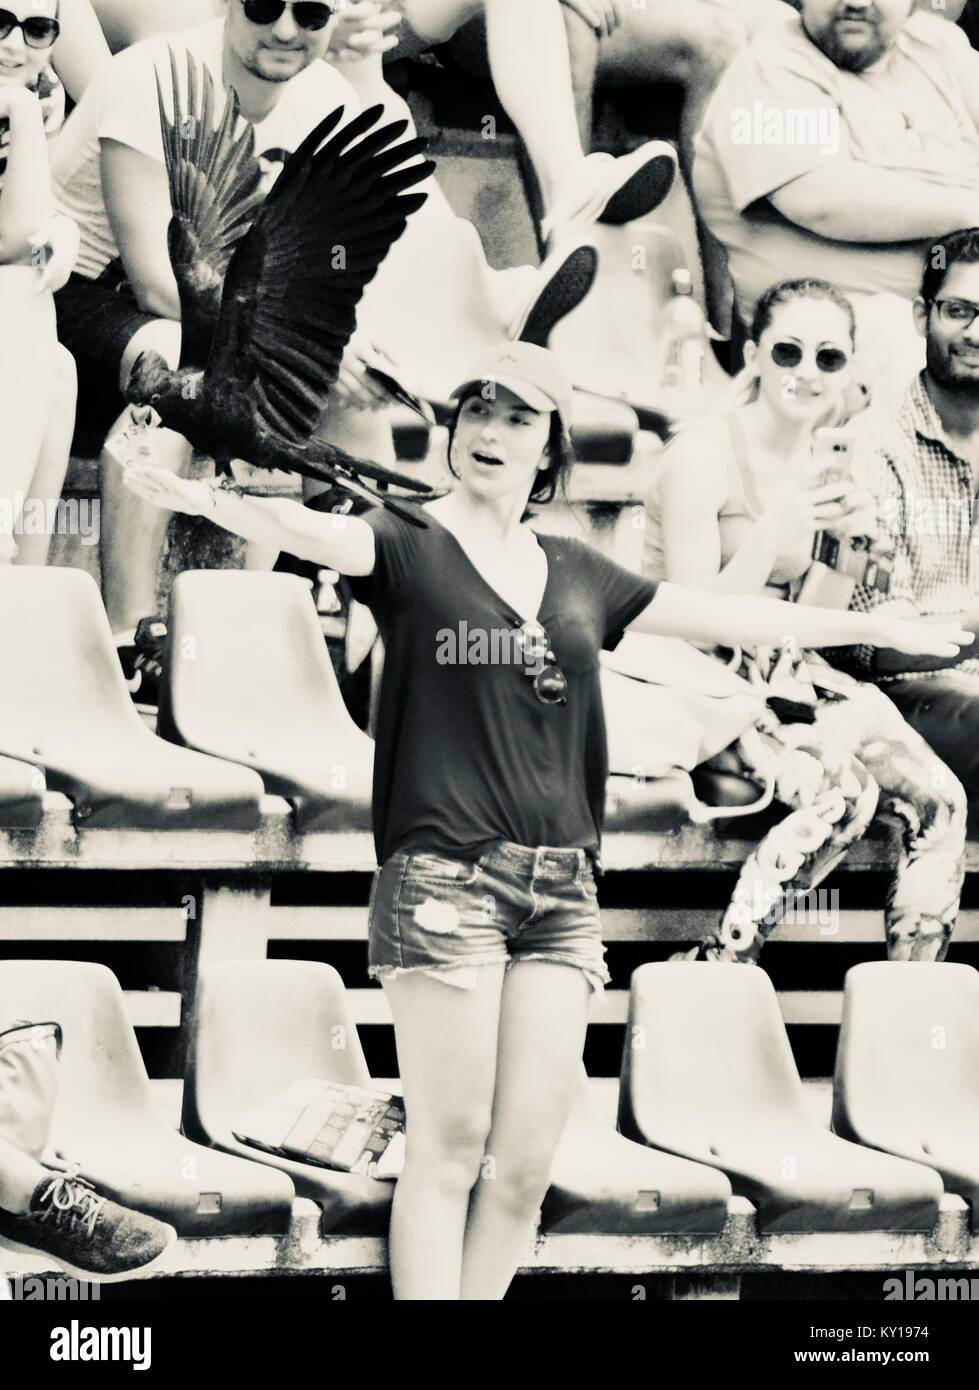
550 682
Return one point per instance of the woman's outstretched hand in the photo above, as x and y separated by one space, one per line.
916 638
164 489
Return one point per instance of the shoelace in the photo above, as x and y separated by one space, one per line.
69 1195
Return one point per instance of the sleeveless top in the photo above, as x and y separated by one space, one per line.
741 510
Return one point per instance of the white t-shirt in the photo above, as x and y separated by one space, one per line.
121 104
783 109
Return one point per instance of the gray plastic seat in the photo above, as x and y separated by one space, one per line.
64 706
258 1027
21 795
907 1067
603 1182
248 678
709 1074
107 1122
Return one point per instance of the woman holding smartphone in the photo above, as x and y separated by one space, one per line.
489 790
734 507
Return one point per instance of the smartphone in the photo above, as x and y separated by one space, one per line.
833 455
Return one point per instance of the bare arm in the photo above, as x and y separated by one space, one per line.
81 48
848 201
331 539
749 621
26 199
693 492
137 201
886 661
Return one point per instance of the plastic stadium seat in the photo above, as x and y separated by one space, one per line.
709 1074
258 1027
106 1119
603 431
907 1068
412 435
249 678
64 705
602 1182
21 795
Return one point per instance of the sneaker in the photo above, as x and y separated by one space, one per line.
90 1237
616 190
559 286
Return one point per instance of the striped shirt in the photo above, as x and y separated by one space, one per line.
928 505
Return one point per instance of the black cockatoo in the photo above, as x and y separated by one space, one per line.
269 286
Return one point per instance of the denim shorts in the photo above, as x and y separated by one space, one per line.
432 912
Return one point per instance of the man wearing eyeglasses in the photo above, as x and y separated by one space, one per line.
922 463
837 144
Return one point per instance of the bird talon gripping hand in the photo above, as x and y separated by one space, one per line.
264 311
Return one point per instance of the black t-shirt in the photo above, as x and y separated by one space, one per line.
466 753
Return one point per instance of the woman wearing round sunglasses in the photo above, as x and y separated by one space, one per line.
489 790
37 251
734 506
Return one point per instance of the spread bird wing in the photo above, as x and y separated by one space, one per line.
215 195
294 282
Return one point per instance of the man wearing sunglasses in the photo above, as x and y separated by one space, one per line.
110 177
837 144
922 463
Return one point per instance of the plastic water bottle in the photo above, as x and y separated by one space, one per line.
686 336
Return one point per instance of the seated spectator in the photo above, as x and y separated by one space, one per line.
109 173
922 462
836 145
37 250
734 507
529 61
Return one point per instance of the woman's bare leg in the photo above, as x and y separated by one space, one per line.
28 347
52 464
528 58
543 1018
447 1040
